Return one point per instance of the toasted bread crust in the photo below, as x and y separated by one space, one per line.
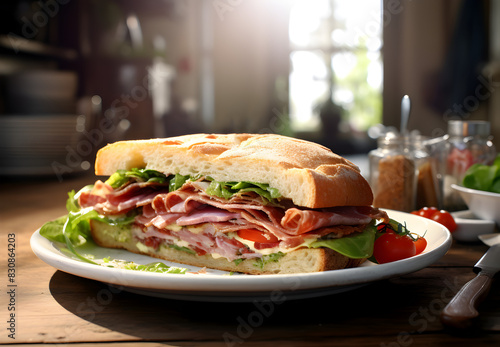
298 261
305 172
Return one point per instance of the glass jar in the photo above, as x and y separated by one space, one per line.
469 143
393 174
403 174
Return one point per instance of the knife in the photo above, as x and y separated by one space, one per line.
462 309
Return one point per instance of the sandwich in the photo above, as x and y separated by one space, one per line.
249 203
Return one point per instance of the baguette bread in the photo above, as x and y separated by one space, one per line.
307 173
301 260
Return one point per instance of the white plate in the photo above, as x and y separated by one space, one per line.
220 286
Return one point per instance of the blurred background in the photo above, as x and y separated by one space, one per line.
77 74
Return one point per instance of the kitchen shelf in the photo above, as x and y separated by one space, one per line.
21 45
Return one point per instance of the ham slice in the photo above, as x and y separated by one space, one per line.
190 205
104 199
161 221
297 221
206 242
206 215
283 224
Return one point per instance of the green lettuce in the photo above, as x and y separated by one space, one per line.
483 177
356 246
121 177
73 230
151 267
177 181
268 258
221 189
227 189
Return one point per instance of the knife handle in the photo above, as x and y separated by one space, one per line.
462 309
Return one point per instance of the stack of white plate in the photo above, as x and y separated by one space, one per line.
42 144
41 92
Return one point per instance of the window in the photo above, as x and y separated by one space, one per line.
336 53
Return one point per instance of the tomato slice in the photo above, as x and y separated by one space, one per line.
257 236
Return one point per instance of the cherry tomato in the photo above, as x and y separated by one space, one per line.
384 228
441 216
420 244
445 218
257 236
391 247
426 212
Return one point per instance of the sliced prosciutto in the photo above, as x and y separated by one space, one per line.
293 222
209 241
168 216
297 221
104 199
205 215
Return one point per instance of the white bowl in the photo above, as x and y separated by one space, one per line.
484 205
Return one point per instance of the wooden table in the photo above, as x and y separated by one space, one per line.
57 308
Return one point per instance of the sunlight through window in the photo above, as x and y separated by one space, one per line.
335 53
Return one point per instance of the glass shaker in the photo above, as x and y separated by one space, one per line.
393 174
428 179
469 143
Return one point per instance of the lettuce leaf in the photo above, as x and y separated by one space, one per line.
157 267
73 230
356 246
53 230
221 189
483 177
75 226
121 177
177 181
268 258
227 189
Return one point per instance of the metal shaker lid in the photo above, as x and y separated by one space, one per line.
468 128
